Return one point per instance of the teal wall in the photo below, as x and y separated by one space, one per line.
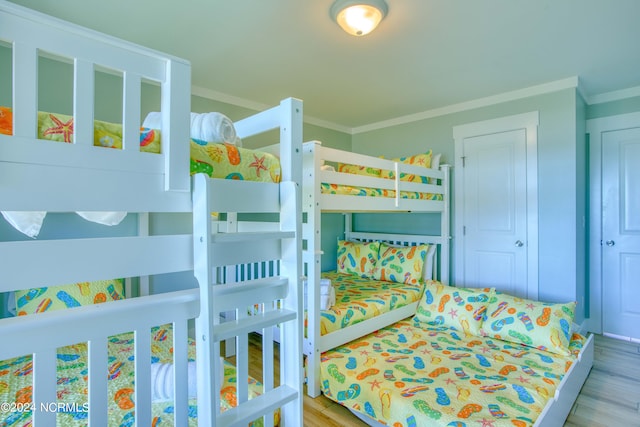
613 108
557 160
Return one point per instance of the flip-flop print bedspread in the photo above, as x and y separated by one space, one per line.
16 384
360 298
412 374
347 190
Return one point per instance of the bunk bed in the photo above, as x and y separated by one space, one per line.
339 181
107 357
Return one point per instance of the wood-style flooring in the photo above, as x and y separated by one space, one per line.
609 398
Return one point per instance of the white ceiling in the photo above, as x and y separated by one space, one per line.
425 55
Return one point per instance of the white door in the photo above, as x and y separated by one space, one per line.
495 243
621 232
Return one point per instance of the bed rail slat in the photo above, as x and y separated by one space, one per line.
258 406
180 372
98 364
44 387
83 102
131 111
25 96
142 346
244 196
74 260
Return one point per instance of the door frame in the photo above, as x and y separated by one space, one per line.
528 122
595 129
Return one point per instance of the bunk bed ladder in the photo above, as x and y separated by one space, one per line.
278 298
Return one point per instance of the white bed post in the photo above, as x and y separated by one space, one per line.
312 257
445 231
291 369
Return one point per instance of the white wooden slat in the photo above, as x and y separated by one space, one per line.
229 195
258 406
242 366
69 40
29 334
175 105
25 95
132 87
252 323
243 294
340 203
180 372
256 124
74 260
83 101
142 386
244 252
98 365
267 365
44 386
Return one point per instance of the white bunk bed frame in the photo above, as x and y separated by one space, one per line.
48 176
314 203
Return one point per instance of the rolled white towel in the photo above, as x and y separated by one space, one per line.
212 127
153 120
162 380
28 223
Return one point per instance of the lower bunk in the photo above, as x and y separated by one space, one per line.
72 405
429 370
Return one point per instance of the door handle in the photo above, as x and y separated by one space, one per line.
519 243
610 243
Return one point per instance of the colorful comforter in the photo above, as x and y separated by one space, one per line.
413 374
216 160
360 298
347 190
16 384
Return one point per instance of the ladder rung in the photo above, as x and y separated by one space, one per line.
258 406
252 323
251 236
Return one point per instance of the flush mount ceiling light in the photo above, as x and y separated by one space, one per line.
358 17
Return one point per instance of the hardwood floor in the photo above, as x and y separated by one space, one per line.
609 398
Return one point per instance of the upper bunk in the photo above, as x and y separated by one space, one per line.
341 181
38 174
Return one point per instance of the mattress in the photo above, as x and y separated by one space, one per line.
16 384
217 160
410 374
360 298
347 190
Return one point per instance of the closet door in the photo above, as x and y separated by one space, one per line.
621 232
496 204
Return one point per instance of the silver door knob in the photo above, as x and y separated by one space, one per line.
610 243
519 243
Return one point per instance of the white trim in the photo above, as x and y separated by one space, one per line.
528 122
615 95
258 106
571 82
595 128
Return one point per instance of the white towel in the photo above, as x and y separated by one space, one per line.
162 380
30 222
327 294
210 127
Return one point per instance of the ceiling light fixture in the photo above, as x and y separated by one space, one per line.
358 17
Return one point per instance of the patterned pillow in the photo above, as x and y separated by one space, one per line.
38 300
544 326
357 257
423 160
463 309
402 264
